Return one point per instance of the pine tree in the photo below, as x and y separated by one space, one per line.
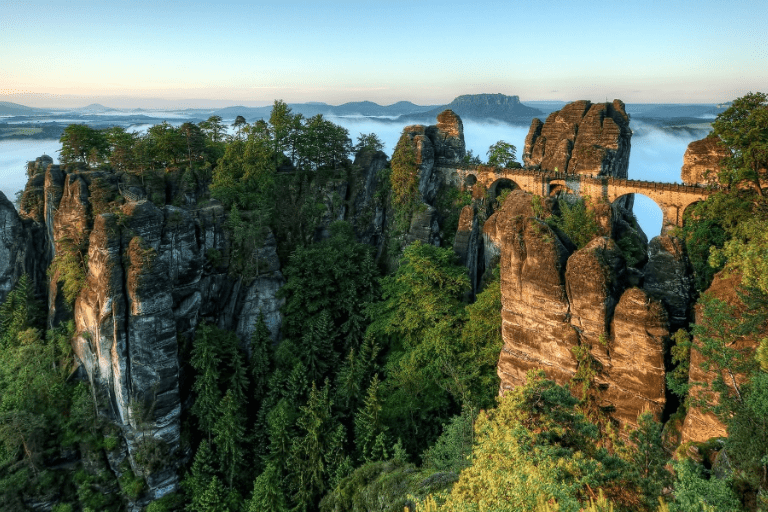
317 346
213 499
650 458
347 385
370 437
297 385
280 430
200 476
205 360
267 493
259 365
229 433
238 378
19 311
357 369
317 450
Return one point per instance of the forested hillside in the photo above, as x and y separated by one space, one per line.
198 321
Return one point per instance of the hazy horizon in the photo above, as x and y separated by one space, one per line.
125 103
77 52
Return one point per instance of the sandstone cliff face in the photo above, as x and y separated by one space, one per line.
439 149
151 279
556 298
24 246
700 425
669 278
535 306
701 162
581 138
368 215
634 367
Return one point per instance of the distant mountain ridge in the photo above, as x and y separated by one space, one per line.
14 109
361 108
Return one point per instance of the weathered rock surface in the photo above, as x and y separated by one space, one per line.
448 138
11 247
556 298
581 138
467 246
634 367
701 162
669 278
439 149
700 425
368 215
535 306
595 280
153 274
24 247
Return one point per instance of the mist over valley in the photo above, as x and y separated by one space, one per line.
661 132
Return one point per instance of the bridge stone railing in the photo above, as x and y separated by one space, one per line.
672 198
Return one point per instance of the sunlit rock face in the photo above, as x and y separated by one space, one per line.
581 138
701 425
558 301
535 309
702 161
150 284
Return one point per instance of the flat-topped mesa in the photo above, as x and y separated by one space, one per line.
581 138
701 162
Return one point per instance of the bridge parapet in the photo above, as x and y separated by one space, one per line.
672 198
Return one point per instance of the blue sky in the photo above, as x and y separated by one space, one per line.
123 53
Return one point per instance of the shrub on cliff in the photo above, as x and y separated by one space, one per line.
68 267
576 220
405 181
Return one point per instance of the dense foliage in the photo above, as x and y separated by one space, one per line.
382 392
45 418
575 219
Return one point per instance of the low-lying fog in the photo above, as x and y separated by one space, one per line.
656 154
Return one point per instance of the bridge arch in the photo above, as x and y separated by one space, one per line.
498 186
555 187
649 214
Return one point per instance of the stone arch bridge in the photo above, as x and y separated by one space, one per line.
672 198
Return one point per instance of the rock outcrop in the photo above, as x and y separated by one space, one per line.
153 273
581 138
535 309
368 215
700 424
439 149
669 278
633 370
556 298
701 162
